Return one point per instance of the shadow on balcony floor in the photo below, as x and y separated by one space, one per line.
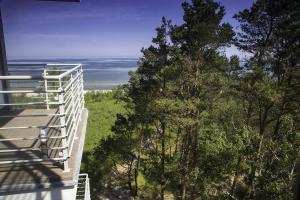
26 176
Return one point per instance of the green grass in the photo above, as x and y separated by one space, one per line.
103 109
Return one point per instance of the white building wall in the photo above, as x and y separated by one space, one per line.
65 193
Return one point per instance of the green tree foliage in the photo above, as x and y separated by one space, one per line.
201 126
269 89
174 90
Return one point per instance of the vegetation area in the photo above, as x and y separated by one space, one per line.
194 124
103 108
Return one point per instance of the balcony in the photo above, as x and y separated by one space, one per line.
42 126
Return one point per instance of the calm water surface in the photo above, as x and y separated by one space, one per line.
99 74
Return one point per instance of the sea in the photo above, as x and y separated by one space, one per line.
99 73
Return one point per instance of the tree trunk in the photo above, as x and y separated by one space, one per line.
177 141
162 182
136 172
185 163
170 145
129 177
236 174
262 126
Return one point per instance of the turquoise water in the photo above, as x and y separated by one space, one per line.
99 74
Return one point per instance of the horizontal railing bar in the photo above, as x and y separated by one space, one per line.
71 143
53 86
38 77
28 82
68 110
58 148
69 119
23 77
22 104
72 81
63 74
55 103
62 64
42 81
68 98
31 103
38 115
16 87
32 149
42 64
28 127
71 125
20 91
68 88
29 91
56 70
83 174
33 138
21 72
19 150
16 139
76 87
33 160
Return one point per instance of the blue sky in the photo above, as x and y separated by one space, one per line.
90 29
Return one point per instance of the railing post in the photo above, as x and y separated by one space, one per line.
63 126
46 88
88 188
73 92
85 188
82 87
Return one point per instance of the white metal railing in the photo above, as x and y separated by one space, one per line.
57 91
83 187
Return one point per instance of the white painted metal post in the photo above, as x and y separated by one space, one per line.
72 93
46 88
63 126
86 187
82 87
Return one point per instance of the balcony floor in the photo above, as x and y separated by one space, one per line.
32 117
32 175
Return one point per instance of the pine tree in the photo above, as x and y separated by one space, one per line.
269 88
